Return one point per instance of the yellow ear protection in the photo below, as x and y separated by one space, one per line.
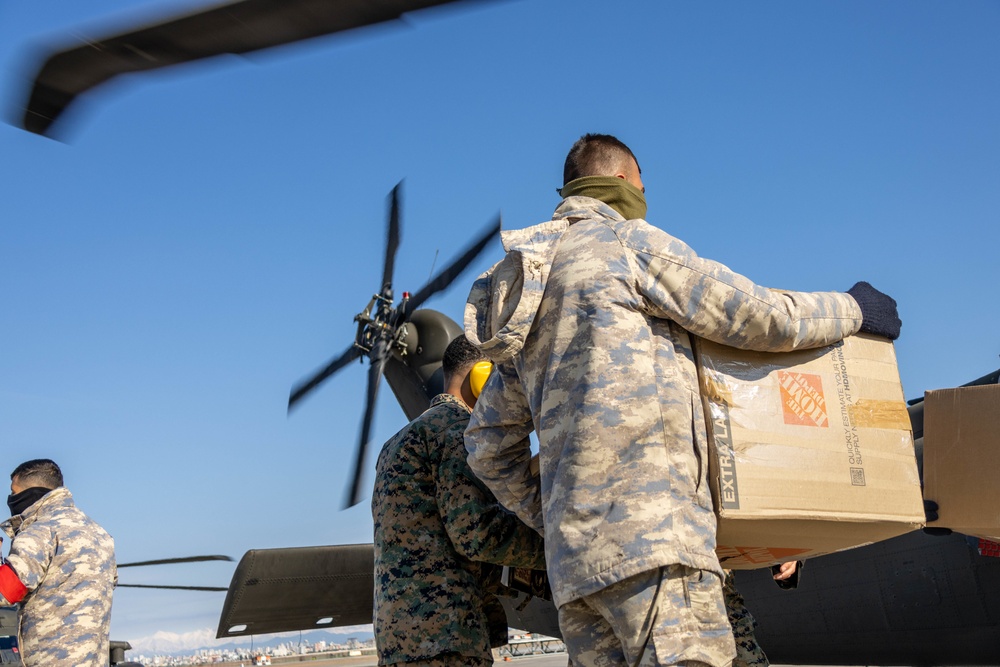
478 376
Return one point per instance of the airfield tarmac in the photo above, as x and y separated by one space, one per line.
548 660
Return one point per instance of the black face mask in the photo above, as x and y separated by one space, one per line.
18 502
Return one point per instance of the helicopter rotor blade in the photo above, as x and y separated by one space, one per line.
174 588
170 561
380 355
238 27
392 237
445 277
303 388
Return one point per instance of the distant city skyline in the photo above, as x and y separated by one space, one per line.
167 644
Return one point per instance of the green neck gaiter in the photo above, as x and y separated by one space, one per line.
616 192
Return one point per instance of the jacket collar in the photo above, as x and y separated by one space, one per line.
450 399
59 496
574 209
503 302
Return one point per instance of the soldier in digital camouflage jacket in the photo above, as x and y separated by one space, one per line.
590 319
61 569
437 531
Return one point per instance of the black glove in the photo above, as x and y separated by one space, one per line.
931 514
878 311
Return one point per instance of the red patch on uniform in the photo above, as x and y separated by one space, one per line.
10 586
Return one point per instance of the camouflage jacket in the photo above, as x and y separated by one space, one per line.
589 319
67 563
434 523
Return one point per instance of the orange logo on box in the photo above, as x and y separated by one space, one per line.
802 400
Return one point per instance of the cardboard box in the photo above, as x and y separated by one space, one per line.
962 458
810 451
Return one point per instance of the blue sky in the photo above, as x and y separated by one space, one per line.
203 237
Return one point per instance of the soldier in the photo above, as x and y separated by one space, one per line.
61 569
748 652
589 319
437 529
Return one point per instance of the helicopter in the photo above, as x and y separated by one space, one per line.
279 590
400 341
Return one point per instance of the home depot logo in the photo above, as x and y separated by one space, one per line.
802 400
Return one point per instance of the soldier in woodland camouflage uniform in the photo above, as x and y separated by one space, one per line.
748 651
437 529
590 319
61 569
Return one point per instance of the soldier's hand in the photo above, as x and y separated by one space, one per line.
878 311
931 514
786 575
786 570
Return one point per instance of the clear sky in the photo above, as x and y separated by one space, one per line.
204 236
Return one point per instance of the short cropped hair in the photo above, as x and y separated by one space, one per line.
597 155
459 356
38 472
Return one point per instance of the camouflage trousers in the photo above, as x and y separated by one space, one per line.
748 651
669 616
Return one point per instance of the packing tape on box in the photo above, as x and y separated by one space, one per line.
868 413
718 392
864 413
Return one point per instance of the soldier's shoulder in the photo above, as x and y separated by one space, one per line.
425 428
444 414
72 521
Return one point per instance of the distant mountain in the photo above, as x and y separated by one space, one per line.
172 643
